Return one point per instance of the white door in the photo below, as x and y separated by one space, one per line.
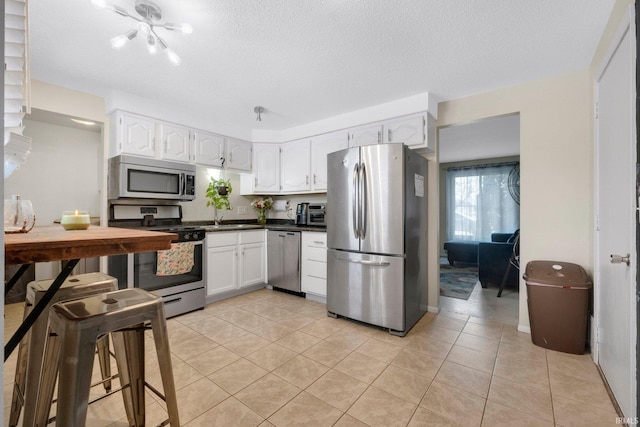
251 264
238 154
266 168
175 142
222 269
409 130
365 135
615 301
295 166
321 146
137 135
209 149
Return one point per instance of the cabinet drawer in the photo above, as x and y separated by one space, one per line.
222 238
314 285
314 239
315 254
254 236
315 269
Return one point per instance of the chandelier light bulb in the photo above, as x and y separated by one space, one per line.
173 57
183 28
119 41
151 44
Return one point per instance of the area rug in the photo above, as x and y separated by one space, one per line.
457 282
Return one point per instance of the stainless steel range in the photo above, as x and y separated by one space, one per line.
177 275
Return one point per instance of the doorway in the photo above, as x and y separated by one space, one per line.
491 147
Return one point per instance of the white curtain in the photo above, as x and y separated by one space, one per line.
478 202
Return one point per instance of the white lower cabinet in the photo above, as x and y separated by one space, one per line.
235 259
314 263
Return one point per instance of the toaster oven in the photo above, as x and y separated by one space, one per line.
316 214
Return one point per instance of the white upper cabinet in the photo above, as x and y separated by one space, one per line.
266 168
322 145
174 143
238 154
365 135
134 135
209 148
410 130
295 166
219 151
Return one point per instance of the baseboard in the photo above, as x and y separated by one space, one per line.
432 309
316 298
233 293
525 329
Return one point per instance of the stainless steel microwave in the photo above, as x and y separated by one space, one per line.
141 178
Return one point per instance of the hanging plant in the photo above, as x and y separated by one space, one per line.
218 193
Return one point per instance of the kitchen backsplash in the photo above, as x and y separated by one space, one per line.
197 209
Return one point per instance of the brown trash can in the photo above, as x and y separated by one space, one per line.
558 296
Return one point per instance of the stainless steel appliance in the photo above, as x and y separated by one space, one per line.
377 236
283 255
302 213
140 178
316 214
181 289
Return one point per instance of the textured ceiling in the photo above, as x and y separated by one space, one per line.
306 60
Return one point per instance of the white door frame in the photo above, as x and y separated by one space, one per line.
627 25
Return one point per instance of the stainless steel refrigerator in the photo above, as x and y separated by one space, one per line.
377 235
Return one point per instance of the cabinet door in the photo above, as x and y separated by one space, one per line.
136 135
365 135
295 165
314 263
251 264
320 147
409 130
174 143
222 269
266 168
209 149
238 154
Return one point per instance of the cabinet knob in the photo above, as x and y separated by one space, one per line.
307 179
389 135
314 178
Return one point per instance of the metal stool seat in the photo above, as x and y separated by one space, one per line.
78 325
31 350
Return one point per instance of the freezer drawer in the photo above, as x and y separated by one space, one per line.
283 259
368 288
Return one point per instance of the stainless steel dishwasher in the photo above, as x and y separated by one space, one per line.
283 259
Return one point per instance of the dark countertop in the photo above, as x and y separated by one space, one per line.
276 225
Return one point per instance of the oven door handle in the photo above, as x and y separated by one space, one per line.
169 301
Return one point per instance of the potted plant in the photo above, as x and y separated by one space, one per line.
218 193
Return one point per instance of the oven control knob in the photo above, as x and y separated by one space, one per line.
187 236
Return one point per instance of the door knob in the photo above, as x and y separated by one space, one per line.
618 259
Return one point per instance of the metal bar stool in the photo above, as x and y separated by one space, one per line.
78 324
31 350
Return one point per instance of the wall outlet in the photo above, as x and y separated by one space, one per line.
242 210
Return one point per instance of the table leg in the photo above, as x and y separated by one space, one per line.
38 308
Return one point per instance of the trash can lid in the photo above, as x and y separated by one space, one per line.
554 273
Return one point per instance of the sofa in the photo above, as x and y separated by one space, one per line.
492 258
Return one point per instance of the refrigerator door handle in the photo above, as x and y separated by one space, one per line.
363 201
365 262
354 201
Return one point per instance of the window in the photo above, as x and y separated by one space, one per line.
478 202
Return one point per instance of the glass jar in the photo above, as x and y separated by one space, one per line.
18 215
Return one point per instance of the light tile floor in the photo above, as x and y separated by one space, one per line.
272 359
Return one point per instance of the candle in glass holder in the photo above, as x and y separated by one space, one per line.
75 220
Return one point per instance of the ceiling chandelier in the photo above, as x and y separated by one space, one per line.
147 23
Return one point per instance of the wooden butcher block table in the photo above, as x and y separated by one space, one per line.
54 243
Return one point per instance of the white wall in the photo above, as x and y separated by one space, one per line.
61 172
556 158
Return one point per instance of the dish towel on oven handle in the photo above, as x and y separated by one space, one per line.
177 260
